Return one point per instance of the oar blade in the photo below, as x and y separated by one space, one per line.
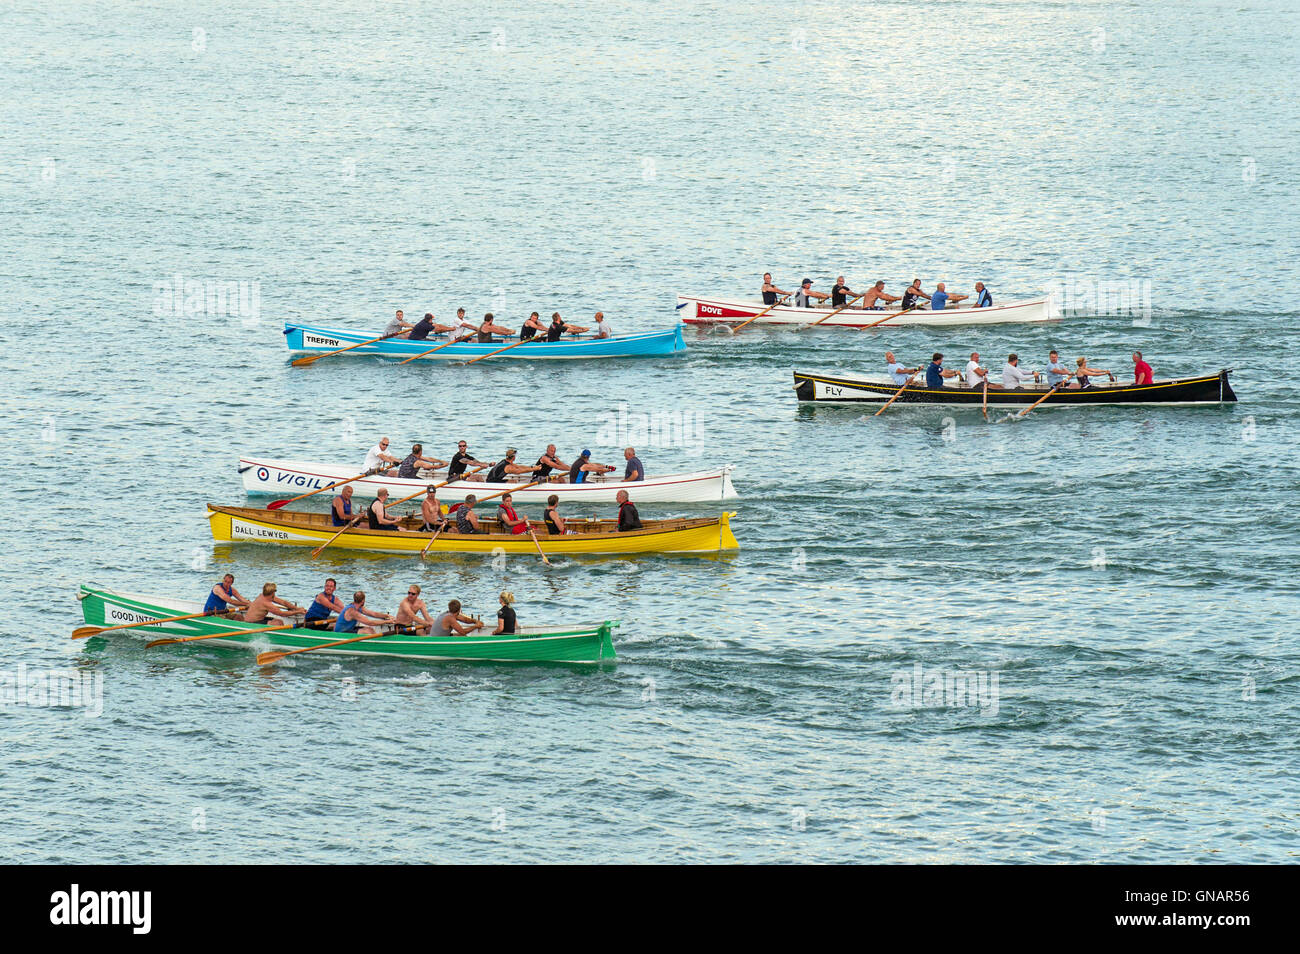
81 632
276 504
161 642
268 659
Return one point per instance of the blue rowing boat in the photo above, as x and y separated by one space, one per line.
309 339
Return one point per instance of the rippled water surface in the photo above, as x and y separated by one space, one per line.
1127 575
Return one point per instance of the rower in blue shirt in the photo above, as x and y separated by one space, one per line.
982 297
935 372
1056 372
939 300
900 374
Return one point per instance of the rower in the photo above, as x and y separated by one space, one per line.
635 470
377 513
431 512
460 461
268 604
324 604
411 610
935 372
840 293
504 468
877 293
583 466
549 462
559 327
1057 373
488 328
1082 373
378 457
398 327
463 329
355 617
1142 373
913 293
897 372
425 327
551 516
341 508
449 623
466 518
1013 376
603 328
509 518
770 292
976 376
223 596
506 619
628 518
531 327
939 300
415 462
803 297
982 297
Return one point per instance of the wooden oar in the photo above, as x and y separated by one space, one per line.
277 504
888 316
439 348
301 362
233 632
533 534
266 659
758 316
985 407
81 632
846 304
430 543
1049 393
506 348
898 392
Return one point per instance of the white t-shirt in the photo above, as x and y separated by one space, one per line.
373 459
973 377
896 372
1012 375
603 328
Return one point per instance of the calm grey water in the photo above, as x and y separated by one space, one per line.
1128 576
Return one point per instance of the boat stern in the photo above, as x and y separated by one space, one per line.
679 342
726 539
1226 394
803 388
606 632
728 491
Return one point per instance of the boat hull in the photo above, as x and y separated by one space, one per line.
303 529
851 389
311 339
291 478
708 311
585 644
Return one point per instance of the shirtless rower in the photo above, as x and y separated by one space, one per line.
549 462
431 512
559 327
268 604
449 623
804 296
912 294
531 327
355 618
225 598
584 465
877 293
771 294
411 610
461 461
415 462
897 372
377 513
507 466
488 328
324 604
399 327
378 459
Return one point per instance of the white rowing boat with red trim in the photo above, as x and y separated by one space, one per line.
709 311
294 477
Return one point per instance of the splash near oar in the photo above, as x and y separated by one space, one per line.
267 659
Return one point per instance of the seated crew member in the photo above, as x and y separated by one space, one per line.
1081 374
935 372
877 293
224 598
415 462
603 327
377 513
976 376
431 512
449 623
1142 373
549 462
466 518
939 300
412 610
551 516
1014 376
379 460
462 328
559 327
399 327
583 465
488 328
772 294
841 293
634 470
268 604
803 297
341 508
324 604
460 461
897 372
531 327
425 327
1057 373
507 466
628 518
355 618
912 294
509 518
506 619
982 297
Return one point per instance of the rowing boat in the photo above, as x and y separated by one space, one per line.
588 536
264 476
853 389
709 311
579 644
310 339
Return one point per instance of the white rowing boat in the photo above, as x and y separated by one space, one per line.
709 311
293 477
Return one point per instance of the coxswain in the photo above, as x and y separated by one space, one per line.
377 513
877 293
935 372
461 460
840 293
488 328
975 374
531 327
634 470
982 297
449 623
1082 373
583 466
341 508
431 512
415 462
507 466
425 327
603 327
399 327
268 604
224 597
939 300
551 516
379 460
1014 376
549 462
506 619
912 294
1142 373
412 610
466 518
509 518
355 618
1057 373
323 605
897 372
628 518
803 297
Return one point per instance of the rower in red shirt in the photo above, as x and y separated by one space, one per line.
1141 370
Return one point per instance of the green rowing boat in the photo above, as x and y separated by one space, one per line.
588 644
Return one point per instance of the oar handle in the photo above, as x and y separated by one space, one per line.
506 348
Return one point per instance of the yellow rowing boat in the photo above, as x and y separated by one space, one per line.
303 529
